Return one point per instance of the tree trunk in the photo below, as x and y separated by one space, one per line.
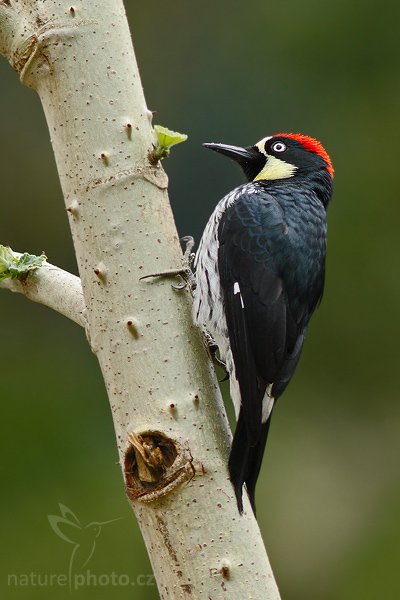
172 433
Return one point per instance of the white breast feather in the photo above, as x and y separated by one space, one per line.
208 307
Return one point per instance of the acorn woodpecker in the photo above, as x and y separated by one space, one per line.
260 272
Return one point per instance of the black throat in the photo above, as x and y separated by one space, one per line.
320 182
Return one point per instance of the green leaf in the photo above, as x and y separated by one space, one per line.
6 258
18 267
165 139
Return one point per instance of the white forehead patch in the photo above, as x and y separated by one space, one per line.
260 145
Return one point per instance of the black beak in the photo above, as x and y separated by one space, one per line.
250 159
235 152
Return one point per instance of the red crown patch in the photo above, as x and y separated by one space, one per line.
312 145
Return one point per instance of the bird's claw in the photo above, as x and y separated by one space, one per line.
188 256
185 272
182 285
212 349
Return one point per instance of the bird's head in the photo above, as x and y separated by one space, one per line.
280 156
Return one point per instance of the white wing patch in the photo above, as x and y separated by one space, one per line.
267 404
236 290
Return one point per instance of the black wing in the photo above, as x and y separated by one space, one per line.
271 273
269 296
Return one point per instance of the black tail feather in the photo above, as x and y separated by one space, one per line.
254 464
245 461
238 460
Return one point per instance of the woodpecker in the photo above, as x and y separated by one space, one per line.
260 270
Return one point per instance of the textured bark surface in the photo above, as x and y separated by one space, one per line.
171 429
54 288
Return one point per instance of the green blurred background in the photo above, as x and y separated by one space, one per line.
329 493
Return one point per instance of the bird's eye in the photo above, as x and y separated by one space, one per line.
278 147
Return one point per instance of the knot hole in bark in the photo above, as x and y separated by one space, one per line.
155 464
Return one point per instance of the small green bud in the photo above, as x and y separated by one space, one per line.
18 267
6 258
165 139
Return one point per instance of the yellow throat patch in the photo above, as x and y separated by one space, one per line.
275 169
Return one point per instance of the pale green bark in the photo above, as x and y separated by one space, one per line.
54 288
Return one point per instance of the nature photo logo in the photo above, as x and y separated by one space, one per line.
83 539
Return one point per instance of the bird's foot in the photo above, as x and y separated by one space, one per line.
185 272
212 347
